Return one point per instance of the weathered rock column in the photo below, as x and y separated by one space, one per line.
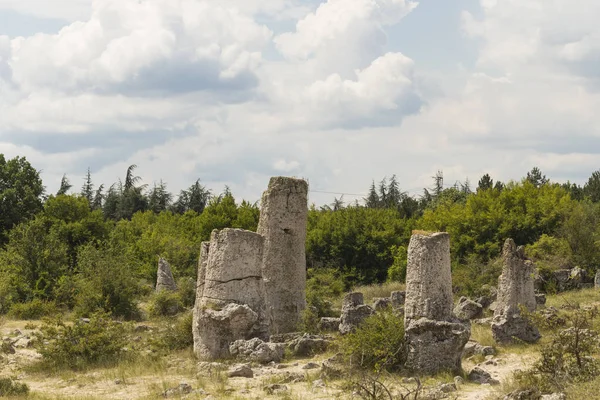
283 218
435 337
200 280
232 305
515 289
164 276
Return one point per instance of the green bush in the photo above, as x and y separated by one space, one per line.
378 343
9 388
35 309
165 303
175 335
323 285
82 344
186 288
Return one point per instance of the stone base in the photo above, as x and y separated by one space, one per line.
508 329
435 346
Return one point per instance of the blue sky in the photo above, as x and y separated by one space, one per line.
339 91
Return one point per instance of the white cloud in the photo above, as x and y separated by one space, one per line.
69 10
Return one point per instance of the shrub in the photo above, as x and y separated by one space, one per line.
186 287
176 335
322 286
165 303
84 343
35 309
9 388
378 343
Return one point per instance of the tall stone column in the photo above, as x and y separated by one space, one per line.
283 219
515 290
202 262
232 305
164 276
435 337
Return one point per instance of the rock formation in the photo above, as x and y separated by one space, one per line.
164 276
468 309
515 290
597 280
232 304
283 217
202 262
435 337
354 311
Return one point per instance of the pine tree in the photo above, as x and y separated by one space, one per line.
87 189
65 186
383 193
536 177
98 198
159 198
372 201
486 182
394 195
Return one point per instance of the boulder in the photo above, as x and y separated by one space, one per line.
481 376
468 309
308 345
398 298
472 348
257 350
164 276
540 299
327 324
241 371
354 312
597 280
382 303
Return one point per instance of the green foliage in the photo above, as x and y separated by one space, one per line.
323 285
377 344
35 309
186 288
165 303
473 276
581 229
175 335
106 282
11 388
81 344
397 272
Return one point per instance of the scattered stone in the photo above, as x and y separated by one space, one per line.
164 276
285 337
381 303
331 371
577 277
182 389
328 324
142 328
256 350
554 396
319 383
561 277
118 382
354 312
308 345
276 388
208 368
489 297
481 376
515 289
398 298
483 321
448 387
311 365
84 320
23 343
283 219
435 337
472 348
281 366
467 309
540 299
458 380
240 370
527 394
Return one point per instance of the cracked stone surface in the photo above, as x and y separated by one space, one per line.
202 262
283 219
164 276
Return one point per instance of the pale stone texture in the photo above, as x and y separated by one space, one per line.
515 289
232 305
354 312
468 309
164 276
597 280
435 337
257 350
283 218
202 262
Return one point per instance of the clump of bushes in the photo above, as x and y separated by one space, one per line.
377 344
175 335
35 309
165 303
9 388
97 341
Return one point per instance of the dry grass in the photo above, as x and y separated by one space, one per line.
574 298
371 292
482 334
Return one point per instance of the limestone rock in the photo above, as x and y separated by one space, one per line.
283 219
472 348
180 390
398 298
597 280
381 303
515 289
221 327
308 345
540 299
257 350
554 396
435 337
164 276
468 309
481 376
577 277
241 371
327 324
354 312
200 280
526 394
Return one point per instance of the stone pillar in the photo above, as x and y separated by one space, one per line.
232 305
202 262
515 290
283 219
435 337
164 276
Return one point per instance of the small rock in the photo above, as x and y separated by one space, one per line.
327 324
540 298
183 388
448 387
241 371
142 328
398 298
458 380
527 394
554 396
381 303
311 365
481 376
467 309
118 382
319 383
276 388
84 320
280 366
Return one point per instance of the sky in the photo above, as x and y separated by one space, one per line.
340 92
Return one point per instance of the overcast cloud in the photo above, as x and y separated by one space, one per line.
339 91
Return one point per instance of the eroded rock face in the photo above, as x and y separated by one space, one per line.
164 276
232 303
329 324
202 262
257 350
435 337
515 289
597 280
468 309
354 312
283 218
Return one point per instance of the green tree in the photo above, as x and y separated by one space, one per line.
372 201
486 182
87 190
592 187
21 192
536 177
159 198
65 186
